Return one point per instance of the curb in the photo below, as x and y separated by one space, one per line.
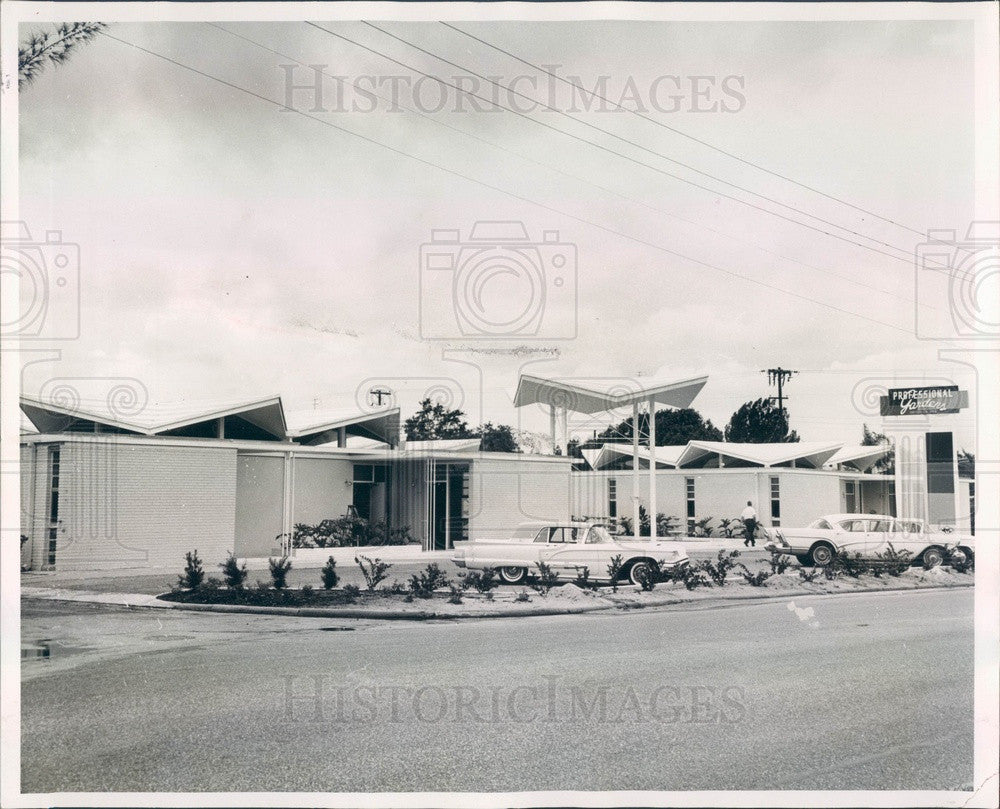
152 602
387 615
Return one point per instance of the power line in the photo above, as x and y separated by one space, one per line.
683 134
503 191
549 167
906 251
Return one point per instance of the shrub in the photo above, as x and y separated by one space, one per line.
691 577
546 579
456 594
351 591
808 574
523 596
211 583
234 574
349 531
328 573
615 570
307 592
647 579
830 572
482 581
779 563
755 579
194 573
279 571
731 527
375 570
959 561
892 561
667 526
701 527
582 579
425 583
853 565
719 570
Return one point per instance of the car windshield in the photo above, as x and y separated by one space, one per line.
525 531
598 535
821 523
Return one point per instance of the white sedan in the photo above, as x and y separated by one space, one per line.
567 548
868 535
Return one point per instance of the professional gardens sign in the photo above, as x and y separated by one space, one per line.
924 401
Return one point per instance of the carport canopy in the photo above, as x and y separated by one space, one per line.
595 395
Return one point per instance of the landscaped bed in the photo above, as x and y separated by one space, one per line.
431 593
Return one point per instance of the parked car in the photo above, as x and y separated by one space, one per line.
868 535
568 547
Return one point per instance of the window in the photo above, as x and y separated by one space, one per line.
53 528
822 524
850 497
972 507
855 526
598 536
689 483
612 497
543 535
775 501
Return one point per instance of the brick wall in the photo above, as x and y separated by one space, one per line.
505 492
124 504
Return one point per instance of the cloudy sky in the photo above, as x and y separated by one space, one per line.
232 249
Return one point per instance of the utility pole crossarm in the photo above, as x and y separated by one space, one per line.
778 376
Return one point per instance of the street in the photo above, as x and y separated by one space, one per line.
870 691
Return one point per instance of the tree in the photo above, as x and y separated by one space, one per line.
52 46
433 421
498 438
760 422
966 464
673 428
869 438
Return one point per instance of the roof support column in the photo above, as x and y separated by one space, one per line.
341 437
220 427
564 430
636 529
552 426
652 469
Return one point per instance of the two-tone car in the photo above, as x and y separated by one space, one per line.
868 535
567 548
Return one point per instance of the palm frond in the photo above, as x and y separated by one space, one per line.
54 47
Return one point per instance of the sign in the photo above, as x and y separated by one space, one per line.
935 400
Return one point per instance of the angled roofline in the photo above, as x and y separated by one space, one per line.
608 401
79 413
696 449
232 410
344 421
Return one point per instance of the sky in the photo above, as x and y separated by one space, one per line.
232 249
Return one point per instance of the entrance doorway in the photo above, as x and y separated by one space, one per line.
449 518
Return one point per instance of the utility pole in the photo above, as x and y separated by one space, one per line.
778 376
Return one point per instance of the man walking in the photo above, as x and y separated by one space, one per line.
749 517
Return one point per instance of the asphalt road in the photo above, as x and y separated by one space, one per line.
868 691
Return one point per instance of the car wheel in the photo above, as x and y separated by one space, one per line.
821 555
639 570
513 575
932 557
969 555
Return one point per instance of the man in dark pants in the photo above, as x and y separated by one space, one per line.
749 517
